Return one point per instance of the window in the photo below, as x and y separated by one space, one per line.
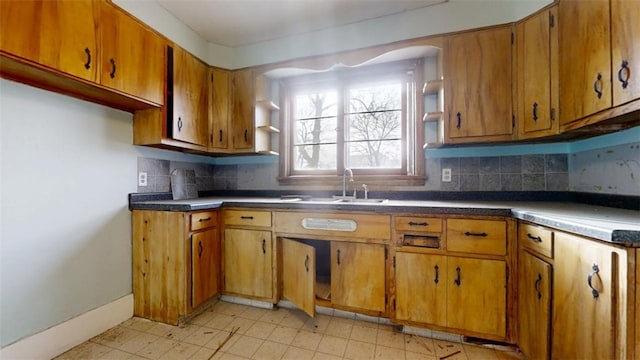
364 119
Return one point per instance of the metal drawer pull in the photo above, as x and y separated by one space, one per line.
458 279
624 68
534 238
87 65
597 86
205 219
411 223
306 263
537 286
595 271
338 253
264 246
200 248
246 217
113 68
458 124
476 234
436 280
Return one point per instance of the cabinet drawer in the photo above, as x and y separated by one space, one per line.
203 220
477 236
247 217
334 224
537 239
418 224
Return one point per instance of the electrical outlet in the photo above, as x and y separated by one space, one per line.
446 175
142 178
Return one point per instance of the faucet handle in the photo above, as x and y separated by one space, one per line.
366 191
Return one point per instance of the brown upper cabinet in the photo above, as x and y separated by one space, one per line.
242 109
598 59
219 90
537 75
183 122
478 86
88 49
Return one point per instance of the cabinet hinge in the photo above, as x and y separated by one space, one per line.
552 20
553 114
394 261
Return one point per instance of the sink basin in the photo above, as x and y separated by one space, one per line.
336 199
363 201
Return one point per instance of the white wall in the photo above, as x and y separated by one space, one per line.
65 246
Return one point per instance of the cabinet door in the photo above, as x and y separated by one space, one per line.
585 58
584 290
477 83
132 56
242 105
219 109
537 55
421 290
534 306
358 275
189 122
625 50
299 275
58 34
247 263
205 260
476 296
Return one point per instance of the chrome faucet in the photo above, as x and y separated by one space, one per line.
344 181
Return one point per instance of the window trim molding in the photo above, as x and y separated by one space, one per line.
413 175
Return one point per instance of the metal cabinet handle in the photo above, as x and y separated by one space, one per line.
624 68
205 219
338 253
458 279
113 68
200 248
535 111
306 263
536 285
246 135
87 65
534 238
595 271
468 233
220 135
246 217
411 223
437 279
459 120
179 123
264 246
597 86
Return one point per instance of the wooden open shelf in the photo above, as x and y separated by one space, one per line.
432 87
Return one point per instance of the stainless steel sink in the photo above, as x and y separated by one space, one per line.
363 201
335 199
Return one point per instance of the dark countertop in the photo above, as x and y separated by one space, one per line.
612 225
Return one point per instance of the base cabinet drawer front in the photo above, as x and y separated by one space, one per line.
247 262
537 239
418 224
534 306
421 288
361 226
203 220
247 218
477 236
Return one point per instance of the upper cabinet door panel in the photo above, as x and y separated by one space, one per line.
58 34
132 56
242 105
190 120
585 58
625 50
478 83
535 64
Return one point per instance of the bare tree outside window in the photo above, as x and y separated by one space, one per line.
315 130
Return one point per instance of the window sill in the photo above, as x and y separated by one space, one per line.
382 180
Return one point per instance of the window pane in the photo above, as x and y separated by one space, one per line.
315 105
375 126
375 97
315 131
375 154
315 157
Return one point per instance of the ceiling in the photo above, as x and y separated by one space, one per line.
235 23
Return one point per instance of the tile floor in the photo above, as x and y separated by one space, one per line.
270 334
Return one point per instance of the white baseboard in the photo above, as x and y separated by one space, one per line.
62 337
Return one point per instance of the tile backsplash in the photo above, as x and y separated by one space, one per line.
610 170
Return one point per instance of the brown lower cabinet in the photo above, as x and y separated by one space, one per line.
576 298
176 263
